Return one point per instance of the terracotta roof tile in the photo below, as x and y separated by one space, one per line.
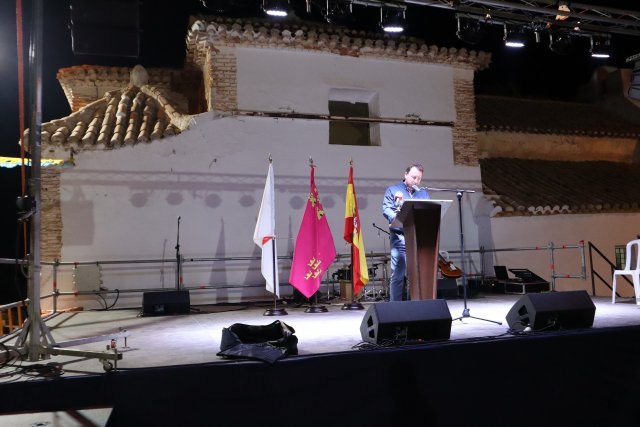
542 187
296 34
83 84
121 117
497 113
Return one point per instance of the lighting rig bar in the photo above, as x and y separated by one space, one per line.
581 16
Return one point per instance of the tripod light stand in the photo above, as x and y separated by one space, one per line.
35 341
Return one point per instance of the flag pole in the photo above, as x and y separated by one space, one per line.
275 311
353 305
314 307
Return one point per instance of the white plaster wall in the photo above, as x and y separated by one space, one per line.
279 80
124 204
604 231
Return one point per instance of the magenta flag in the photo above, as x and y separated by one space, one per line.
314 251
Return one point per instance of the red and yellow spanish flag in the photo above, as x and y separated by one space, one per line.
353 236
314 251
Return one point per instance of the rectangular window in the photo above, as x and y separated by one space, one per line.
353 103
348 133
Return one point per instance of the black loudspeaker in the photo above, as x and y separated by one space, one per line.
552 310
400 322
447 289
165 302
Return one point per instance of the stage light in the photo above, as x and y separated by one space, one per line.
469 30
339 13
277 8
25 204
560 44
537 36
219 6
392 20
600 47
563 6
514 38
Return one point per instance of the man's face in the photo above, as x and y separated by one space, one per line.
413 177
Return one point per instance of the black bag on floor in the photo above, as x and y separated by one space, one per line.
268 343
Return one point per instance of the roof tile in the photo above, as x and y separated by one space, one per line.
498 113
293 34
121 117
543 187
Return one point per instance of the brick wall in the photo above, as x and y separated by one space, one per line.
465 150
51 215
224 89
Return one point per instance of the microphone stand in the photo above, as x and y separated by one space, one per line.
384 294
465 312
381 229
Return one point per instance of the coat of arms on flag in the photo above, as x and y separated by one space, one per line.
314 250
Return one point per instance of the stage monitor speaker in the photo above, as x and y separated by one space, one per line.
399 322
552 310
447 289
165 302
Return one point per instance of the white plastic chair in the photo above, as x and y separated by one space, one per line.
631 268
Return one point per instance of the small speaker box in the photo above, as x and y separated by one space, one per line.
406 321
165 302
552 310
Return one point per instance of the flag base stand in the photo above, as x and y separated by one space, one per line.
353 305
275 311
315 308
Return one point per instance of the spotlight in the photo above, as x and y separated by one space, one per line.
339 13
560 44
278 8
25 204
469 31
600 47
514 38
218 6
563 6
393 22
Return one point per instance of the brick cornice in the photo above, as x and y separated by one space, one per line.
207 32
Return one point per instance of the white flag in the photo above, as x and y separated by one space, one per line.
265 235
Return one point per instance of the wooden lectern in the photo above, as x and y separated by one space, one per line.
420 220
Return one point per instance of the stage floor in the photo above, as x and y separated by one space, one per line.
170 373
157 341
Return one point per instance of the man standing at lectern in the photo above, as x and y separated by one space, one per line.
395 195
